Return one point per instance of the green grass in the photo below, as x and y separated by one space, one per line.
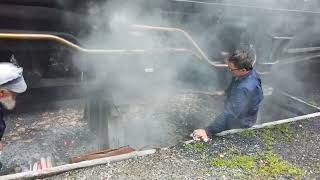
261 166
275 133
247 133
271 165
196 146
244 162
270 134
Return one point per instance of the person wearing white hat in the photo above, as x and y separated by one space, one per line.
11 84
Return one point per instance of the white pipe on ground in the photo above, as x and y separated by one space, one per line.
264 125
269 124
69 167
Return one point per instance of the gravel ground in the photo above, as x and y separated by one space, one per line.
284 152
58 132
162 122
61 133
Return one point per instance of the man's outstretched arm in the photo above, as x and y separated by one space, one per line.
235 105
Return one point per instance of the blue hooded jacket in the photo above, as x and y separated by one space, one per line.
243 97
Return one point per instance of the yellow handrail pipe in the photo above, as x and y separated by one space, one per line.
34 36
186 35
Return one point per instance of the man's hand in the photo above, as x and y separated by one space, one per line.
2 144
200 135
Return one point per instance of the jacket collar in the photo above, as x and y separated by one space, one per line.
251 72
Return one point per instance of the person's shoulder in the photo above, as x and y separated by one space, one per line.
250 82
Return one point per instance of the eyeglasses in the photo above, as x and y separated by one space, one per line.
233 69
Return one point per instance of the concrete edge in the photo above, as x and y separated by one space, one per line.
270 124
69 167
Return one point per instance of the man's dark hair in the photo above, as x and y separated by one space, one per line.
242 60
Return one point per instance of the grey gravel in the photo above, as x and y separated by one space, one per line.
58 133
175 162
62 133
303 151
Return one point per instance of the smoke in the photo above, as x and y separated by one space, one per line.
154 72
156 59
259 23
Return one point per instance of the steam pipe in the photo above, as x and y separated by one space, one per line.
302 50
66 36
298 59
248 6
204 56
30 36
168 29
33 36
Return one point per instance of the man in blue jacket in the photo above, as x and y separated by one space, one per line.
243 97
11 83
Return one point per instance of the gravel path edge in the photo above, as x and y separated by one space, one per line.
84 164
269 124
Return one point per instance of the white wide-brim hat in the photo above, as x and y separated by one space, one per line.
11 78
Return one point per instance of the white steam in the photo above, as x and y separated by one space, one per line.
216 27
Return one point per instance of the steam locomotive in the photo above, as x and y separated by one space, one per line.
219 25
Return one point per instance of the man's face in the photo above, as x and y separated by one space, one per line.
7 99
236 72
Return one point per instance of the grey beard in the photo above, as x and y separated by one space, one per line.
8 102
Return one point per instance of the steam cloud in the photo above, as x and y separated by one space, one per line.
214 27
